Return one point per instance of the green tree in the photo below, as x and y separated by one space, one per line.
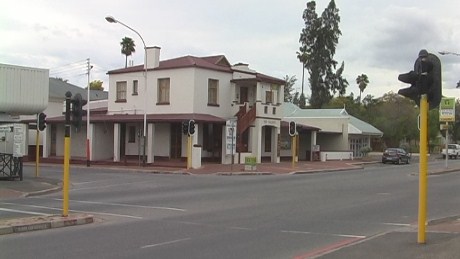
96 85
318 41
362 81
396 117
127 48
433 129
302 101
289 88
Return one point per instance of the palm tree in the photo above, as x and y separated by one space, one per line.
127 48
362 82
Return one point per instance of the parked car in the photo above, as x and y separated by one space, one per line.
396 156
453 150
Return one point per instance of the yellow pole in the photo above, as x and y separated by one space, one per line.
293 149
65 186
189 152
422 201
65 180
37 153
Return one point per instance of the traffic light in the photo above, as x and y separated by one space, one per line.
424 79
191 127
41 124
185 127
292 128
77 110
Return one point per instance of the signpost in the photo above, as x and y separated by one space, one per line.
230 138
447 114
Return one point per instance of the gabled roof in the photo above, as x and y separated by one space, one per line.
218 63
292 110
355 125
58 88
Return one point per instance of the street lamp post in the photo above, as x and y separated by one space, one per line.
448 53
111 19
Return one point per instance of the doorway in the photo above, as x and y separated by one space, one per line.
243 95
176 141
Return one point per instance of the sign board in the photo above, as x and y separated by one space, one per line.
447 110
230 137
20 138
13 139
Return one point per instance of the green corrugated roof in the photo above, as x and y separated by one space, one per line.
291 110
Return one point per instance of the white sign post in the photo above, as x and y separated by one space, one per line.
447 114
230 137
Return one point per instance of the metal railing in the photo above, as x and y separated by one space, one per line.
10 167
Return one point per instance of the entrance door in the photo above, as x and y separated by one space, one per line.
176 141
243 95
122 140
53 140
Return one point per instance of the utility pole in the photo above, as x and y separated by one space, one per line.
88 146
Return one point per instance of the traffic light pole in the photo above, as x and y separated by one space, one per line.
189 151
65 185
293 149
423 181
37 152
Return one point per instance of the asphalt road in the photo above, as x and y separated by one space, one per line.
141 215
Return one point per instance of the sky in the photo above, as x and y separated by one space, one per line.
381 39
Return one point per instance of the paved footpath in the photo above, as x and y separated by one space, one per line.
442 237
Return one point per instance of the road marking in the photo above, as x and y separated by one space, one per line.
117 204
81 211
166 243
327 249
323 234
24 212
397 224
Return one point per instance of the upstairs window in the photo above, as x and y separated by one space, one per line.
269 96
213 89
135 87
163 90
121 91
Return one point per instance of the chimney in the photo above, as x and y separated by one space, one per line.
153 57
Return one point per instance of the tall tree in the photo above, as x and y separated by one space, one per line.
289 88
127 48
318 41
362 81
96 85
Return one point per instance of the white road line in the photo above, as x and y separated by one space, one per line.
324 234
117 204
166 243
24 212
397 224
81 211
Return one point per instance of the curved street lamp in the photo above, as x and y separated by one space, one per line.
111 19
448 53
451 53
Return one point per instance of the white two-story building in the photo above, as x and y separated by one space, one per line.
207 90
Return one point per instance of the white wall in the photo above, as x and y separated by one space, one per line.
162 139
188 92
102 142
77 142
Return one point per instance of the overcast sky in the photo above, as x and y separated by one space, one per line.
379 38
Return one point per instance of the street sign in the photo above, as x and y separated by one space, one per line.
447 109
230 136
